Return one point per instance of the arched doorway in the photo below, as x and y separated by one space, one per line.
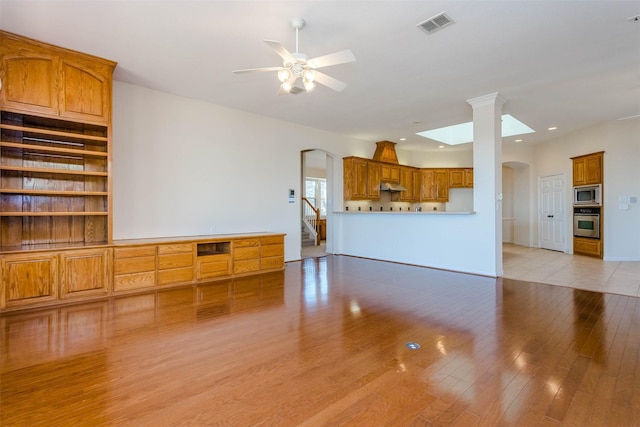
317 182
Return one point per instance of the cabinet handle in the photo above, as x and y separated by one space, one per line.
549 216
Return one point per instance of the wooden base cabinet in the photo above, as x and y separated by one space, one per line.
590 247
134 267
29 279
85 272
44 278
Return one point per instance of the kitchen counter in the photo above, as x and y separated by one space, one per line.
403 213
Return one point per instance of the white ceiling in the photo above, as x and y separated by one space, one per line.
569 64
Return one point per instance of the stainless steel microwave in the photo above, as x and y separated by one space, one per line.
587 195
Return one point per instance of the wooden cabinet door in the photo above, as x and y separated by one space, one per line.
593 169
456 178
85 90
29 76
85 272
428 187
587 169
579 177
410 179
28 279
442 185
355 178
389 172
416 185
468 178
373 180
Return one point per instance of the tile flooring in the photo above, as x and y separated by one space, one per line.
557 268
574 271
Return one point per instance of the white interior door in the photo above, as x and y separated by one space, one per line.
552 217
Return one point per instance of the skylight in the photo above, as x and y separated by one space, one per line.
463 133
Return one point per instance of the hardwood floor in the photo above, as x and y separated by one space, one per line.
324 343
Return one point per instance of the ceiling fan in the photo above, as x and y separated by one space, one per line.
298 65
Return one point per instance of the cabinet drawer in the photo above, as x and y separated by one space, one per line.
134 265
175 261
175 249
273 240
246 253
134 252
211 269
246 266
134 281
272 250
272 262
246 242
177 275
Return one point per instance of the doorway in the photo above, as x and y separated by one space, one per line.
552 215
316 183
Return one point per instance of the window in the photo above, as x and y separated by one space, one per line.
316 193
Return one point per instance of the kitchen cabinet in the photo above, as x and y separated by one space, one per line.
389 172
355 178
55 130
28 279
584 246
410 179
435 185
361 179
85 273
587 169
461 178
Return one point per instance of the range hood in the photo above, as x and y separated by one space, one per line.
391 186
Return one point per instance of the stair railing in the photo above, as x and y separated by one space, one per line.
311 219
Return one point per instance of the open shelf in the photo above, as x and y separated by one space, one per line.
54 181
214 248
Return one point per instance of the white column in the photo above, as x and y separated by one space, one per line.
487 171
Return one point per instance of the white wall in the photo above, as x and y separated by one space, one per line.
183 167
620 140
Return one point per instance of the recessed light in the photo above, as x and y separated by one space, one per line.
403 139
518 140
440 146
553 128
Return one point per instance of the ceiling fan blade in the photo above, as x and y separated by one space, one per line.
332 59
280 50
329 81
251 70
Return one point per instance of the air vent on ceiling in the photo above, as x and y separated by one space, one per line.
435 23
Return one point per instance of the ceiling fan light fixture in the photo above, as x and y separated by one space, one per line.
283 75
287 85
308 76
309 85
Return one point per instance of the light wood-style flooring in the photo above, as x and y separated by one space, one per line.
328 342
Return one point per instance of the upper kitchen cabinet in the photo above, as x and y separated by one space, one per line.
435 185
361 179
42 79
587 169
461 178
410 179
